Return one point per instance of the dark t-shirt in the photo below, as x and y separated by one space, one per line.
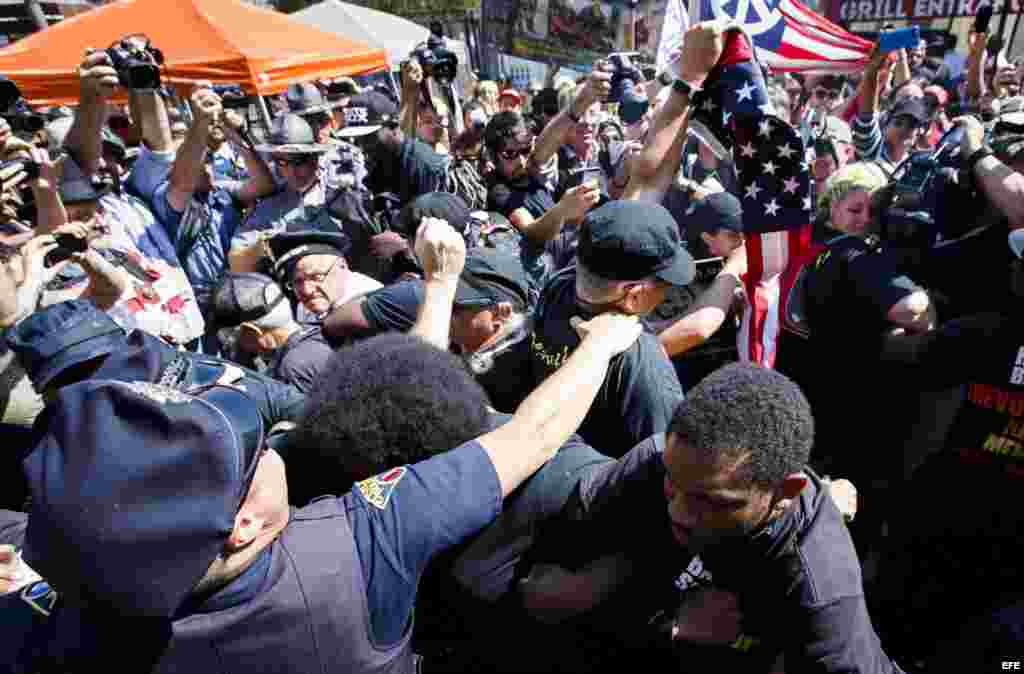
848 296
421 170
393 307
302 359
507 197
964 553
798 579
640 391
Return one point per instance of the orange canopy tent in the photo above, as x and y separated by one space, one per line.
224 41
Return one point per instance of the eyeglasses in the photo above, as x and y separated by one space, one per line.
822 92
512 155
317 278
281 162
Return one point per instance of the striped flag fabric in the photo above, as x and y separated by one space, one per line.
774 189
789 37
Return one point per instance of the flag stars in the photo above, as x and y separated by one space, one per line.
726 116
748 150
791 184
764 128
769 167
745 92
771 208
708 105
753 190
807 203
786 151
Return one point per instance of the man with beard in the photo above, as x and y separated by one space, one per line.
716 518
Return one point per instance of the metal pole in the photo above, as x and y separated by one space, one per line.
1013 35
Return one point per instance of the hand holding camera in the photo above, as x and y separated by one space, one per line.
136 62
97 75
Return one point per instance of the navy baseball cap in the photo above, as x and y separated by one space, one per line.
60 336
287 248
631 240
448 207
491 276
135 488
366 114
720 210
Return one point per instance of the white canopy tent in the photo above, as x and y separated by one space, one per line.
386 31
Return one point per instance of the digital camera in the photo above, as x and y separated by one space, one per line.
137 62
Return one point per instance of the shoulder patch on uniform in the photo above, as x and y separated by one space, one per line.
377 489
157 393
40 596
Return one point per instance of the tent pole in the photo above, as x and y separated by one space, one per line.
265 112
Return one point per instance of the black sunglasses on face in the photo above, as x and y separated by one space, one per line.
512 155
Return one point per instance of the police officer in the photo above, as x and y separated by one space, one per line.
227 561
74 341
312 267
267 327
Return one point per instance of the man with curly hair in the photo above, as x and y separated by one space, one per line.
715 545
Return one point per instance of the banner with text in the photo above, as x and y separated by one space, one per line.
846 11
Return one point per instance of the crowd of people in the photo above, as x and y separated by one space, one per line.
439 381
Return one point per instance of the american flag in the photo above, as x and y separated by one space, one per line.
774 189
789 37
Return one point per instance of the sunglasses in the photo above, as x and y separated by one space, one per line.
512 155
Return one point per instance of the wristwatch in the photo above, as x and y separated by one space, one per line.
683 87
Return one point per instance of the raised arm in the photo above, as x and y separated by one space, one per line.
555 134
442 254
97 79
549 415
188 165
654 169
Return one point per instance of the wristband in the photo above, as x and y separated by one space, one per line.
977 156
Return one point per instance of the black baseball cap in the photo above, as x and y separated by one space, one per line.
631 240
719 210
242 297
135 488
492 276
366 114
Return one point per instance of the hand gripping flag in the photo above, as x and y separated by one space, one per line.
774 186
789 37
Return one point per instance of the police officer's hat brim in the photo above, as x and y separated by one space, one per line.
101 345
294 148
357 131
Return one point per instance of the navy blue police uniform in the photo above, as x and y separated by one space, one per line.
334 590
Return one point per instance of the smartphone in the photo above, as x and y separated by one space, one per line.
982 19
67 245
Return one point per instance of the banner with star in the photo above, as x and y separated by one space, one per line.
789 37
